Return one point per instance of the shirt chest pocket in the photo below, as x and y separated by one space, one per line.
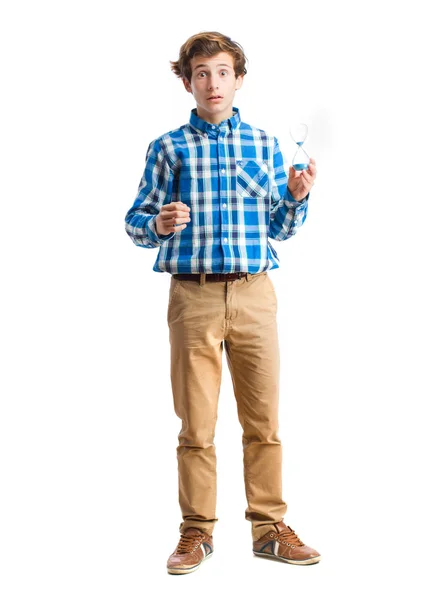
186 187
252 178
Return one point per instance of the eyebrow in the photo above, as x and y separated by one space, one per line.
203 65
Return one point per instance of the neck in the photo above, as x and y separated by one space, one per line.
214 118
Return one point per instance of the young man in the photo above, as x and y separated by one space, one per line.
212 193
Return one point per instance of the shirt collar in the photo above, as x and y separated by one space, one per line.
224 126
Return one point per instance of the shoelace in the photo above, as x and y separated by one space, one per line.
188 543
289 537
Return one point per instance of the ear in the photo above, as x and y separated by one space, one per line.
239 82
187 85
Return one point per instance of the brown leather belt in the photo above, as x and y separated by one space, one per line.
211 276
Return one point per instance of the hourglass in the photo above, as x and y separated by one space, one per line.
298 133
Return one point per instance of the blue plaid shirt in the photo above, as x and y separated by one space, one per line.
233 179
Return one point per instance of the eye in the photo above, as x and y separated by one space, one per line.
201 73
225 72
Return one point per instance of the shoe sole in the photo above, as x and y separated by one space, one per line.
308 561
174 571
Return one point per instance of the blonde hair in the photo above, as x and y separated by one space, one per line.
208 43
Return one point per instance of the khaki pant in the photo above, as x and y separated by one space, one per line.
240 316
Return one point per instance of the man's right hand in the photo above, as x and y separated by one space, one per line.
171 218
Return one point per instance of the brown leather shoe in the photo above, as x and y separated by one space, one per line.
194 547
282 543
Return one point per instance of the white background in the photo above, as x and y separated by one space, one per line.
89 506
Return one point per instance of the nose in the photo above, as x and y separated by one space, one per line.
213 83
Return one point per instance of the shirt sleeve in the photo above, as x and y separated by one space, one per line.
286 214
155 190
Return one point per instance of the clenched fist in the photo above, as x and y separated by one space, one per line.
171 218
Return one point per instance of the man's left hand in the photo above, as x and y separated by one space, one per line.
300 182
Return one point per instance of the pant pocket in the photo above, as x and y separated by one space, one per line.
173 290
271 287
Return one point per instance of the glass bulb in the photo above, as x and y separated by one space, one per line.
299 133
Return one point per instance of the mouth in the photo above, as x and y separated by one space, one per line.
215 98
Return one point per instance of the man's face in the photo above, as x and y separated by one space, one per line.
213 86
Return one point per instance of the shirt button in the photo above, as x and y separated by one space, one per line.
222 171
225 240
224 205
213 127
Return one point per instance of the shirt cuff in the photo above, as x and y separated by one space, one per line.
154 236
291 202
